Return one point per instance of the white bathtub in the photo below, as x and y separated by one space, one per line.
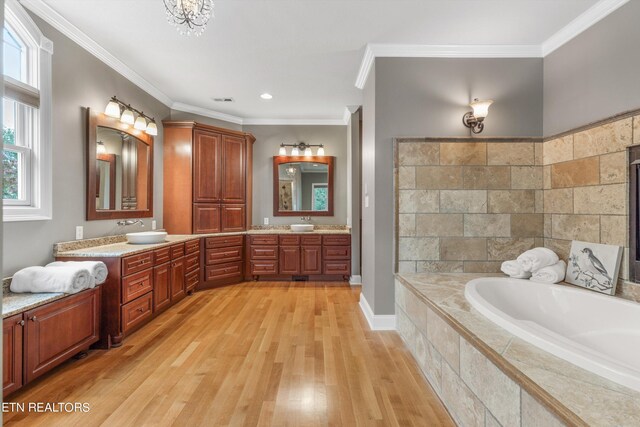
596 332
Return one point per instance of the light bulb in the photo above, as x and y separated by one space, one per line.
112 110
140 124
308 152
282 151
127 117
321 151
295 151
152 129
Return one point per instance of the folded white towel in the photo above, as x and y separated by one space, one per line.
537 258
514 269
52 279
551 273
98 269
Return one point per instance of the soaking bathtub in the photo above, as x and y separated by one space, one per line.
597 332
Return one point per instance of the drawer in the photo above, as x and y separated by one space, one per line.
315 240
264 239
263 252
223 241
161 256
137 312
223 271
192 246
222 255
192 262
336 239
136 285
133 264
192 279
336 252
264 267
336 267
177 251
289 240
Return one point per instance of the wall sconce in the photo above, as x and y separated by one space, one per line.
119 110
100 148
301 146
474 119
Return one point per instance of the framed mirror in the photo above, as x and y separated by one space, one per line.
303 186
119 170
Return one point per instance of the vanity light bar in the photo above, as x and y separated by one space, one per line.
119 110
301 147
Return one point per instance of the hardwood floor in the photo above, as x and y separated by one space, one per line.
256 354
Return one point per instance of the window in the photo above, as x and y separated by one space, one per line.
319 200
26 121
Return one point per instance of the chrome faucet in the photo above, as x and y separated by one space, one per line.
131 222
306 218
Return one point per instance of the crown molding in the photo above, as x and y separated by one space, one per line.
585 20
187 108
294 122
365 66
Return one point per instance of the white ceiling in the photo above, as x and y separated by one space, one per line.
307 53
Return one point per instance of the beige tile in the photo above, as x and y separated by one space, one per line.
613 230
558 150
417 312
438 177
539 201
463 201
497 391
406 225
486 177
406 329
546 177
558 200
407 267
444 339
547 225
406 177
400 293
463 153
429 361
487 225
636 130
613 168
600 199
609 138
527 225
418 249
439 267
624 267
538 153
482 266
439 225
418 153
418 201
526 177
463 248
536 415
560 247
466 408
576 227
514 153
503 249
576 173
512 201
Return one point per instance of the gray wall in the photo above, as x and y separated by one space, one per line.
595 75
181 115
368 230
427 97
79 80
268 140
308 179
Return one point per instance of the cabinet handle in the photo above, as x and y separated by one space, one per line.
140 310
34 318
21 323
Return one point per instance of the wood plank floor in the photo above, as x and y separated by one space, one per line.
256 354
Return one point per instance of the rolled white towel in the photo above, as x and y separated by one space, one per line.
551 273
52 279
98 269
537 258
514 269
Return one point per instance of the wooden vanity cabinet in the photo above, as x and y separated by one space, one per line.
224 260
12 334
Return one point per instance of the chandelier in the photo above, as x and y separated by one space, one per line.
189 16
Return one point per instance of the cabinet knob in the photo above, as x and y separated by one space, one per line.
21 323
140 310
34 318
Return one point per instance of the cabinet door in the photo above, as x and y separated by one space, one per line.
206 218
311 259
57 331
233 178
207 155
161 286
177 279
232 218
289 259
12 354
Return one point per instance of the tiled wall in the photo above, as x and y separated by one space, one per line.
467 206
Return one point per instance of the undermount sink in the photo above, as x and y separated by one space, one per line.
301 228
146 237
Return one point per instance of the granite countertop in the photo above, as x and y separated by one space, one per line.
13 303
288 231
594 399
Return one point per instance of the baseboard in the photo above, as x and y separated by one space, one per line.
380 322
355 280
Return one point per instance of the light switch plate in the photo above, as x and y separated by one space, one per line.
154 224
265 221
79 232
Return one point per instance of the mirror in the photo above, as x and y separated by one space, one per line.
303 186
120 170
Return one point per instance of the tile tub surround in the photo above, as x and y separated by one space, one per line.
486 376
466 205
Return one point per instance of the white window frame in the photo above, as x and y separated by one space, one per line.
38 206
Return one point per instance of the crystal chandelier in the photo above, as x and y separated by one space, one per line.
189 16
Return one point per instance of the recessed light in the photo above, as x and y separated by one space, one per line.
266 96
224 99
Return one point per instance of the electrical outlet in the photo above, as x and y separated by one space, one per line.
79 232
154 224
266 221
366 201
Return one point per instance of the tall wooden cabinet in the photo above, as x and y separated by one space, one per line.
207 178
